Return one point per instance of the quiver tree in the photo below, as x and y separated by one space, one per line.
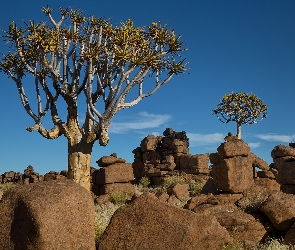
241 108
79 55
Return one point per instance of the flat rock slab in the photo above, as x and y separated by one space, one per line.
47 215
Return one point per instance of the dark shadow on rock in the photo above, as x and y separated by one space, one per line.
24 232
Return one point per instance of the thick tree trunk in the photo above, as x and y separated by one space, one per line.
239 130
79 159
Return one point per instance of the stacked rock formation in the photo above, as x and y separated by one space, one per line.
160 156
284 162
234 167
114 174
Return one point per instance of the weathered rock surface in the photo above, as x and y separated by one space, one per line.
47 215
286 172
280 209
109 160
233 148
117 172
282 151
148 223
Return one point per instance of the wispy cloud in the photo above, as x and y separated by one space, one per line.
276 137
204 139
254 144
141 121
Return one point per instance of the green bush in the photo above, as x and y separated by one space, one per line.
144 182
174 179
196 187
118 196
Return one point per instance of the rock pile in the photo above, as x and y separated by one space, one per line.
161 156
114 174
234 168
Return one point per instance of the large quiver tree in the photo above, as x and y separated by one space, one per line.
86 55
241 108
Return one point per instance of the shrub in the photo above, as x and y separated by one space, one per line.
144 182
174 179
273 244
118 197
196 187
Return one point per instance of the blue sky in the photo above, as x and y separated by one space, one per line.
246 46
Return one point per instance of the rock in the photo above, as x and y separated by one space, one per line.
288 189
280 209
28 171
230 137
258 162
148 223
118 172
49 176
215 158
266 174
150 143
234 174
270 184
282 151
290 236
109 160
234 148
198 163
179 190
286 172
47 215
241 226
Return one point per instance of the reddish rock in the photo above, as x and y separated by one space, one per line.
179 190
266 174
198 163
215 158
150 143
234 174
288 189
109 160
118 172
148 223
47 215
49 176
234 148
258 162
280 209
270 184
286 172
282 151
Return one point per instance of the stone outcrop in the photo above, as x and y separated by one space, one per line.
161 156
47 215
280 209
114 175
148 223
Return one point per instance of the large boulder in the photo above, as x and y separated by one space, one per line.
47 215
233 148
118 172
148 223
280 209
286 172
234 174
109 160
282 151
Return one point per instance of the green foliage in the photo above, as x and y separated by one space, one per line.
196 187
174 179
241 108
118 197
273 244
144 182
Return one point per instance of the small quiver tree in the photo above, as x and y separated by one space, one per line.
79 55
241 108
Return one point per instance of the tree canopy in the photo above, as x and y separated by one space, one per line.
85 54
241 108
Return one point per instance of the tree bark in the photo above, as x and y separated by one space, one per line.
239 130
79 160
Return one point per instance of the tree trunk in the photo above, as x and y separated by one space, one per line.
239 130
79 159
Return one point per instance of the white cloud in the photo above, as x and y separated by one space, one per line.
254 144
142 120
204 139
276 137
